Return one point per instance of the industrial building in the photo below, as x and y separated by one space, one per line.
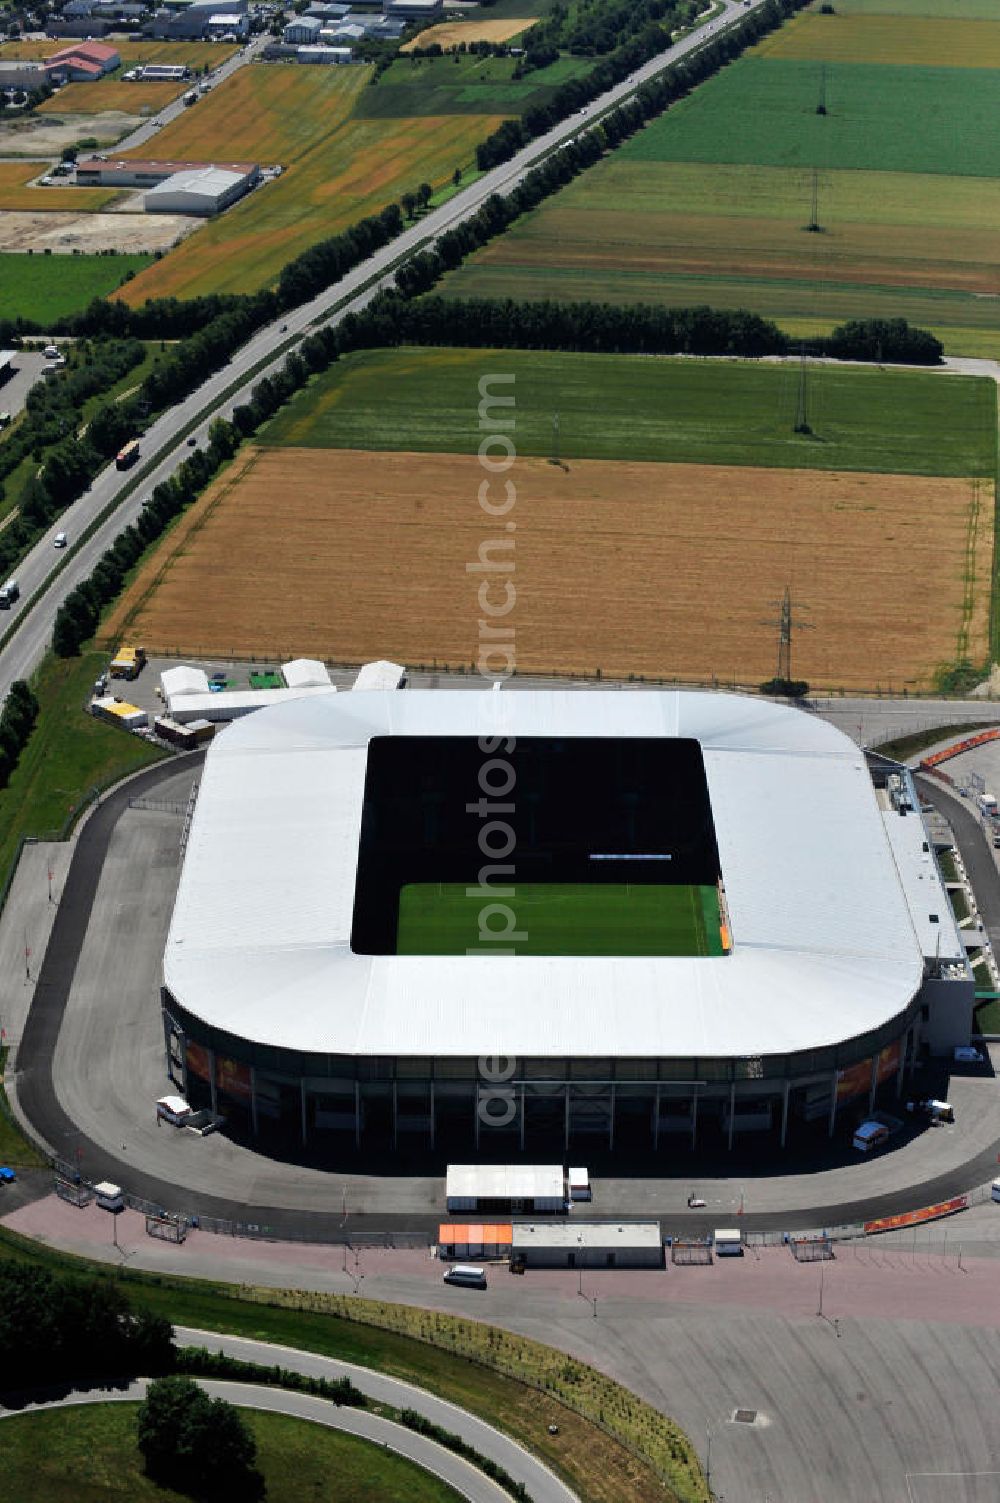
302 31
137 172
424 11
22 76
834 957
325 55
83 62
201 190
505 1187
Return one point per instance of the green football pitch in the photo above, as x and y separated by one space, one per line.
560 918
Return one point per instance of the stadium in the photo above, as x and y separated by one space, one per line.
429 920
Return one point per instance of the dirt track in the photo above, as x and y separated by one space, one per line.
645 569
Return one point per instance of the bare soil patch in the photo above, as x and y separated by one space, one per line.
134 233
45 136
656 570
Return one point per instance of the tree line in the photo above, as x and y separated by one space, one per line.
17 720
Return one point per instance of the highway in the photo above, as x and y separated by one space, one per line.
166 436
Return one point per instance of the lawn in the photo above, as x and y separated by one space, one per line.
464 84
987 1016
15 1150
355 170
929 41
563 918
455 1359
634 407
69 754
44 288
955 10
908 245
880 118
89 1455
16 195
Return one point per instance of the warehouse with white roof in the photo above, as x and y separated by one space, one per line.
291 1003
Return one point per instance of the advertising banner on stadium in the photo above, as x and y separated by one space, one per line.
917 1218
198 1062
856 1080
233 1078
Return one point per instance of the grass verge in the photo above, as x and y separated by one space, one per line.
460 1360
15 1149
68 755
903 747
91 1454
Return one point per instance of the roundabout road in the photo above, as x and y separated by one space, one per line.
465 1478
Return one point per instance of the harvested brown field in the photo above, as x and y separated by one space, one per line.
657 570
451 33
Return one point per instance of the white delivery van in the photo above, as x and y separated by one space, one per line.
51 352
59 541
9 593
942 1110
109 1196
173 1109
469 1274
870 1135
728 1242
578 1183
995 1191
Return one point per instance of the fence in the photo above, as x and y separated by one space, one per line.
688 1251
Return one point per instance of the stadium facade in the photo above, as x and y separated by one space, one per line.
289 1007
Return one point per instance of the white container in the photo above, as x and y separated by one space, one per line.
728 1242
995 1192
578 1183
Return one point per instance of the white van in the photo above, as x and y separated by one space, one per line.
995 1190
870 1135
9 593
109 1196
51 352
469 1274
59 541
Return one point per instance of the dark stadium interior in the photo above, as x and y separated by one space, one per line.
441 808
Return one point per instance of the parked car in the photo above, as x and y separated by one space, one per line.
7 1175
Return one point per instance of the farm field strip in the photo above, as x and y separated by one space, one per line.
880 117
463 84
922 41
16 195
44 288
112 94
957 10
358 169
184 54
647 408
453 33
657 570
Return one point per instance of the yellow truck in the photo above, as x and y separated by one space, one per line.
127 662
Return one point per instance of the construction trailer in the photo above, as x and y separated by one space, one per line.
119 712
588 1244
463 1239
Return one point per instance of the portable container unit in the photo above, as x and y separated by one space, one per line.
578 1183
474 1239
119 712
588 1244
506 1187
995 1190
728 1242
173 1109
109 1196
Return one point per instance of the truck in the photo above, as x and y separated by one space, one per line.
988 805
9 592
128 662
127 454
870 1135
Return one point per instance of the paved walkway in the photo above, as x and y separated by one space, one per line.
465 1478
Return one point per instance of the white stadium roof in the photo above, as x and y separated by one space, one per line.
823 945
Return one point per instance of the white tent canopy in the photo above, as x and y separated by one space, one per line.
305 673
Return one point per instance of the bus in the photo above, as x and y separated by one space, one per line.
128 455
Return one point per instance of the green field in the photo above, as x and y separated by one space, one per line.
563 918
894 244
955 10
89 1454
463 84
43 288
881 118
641 408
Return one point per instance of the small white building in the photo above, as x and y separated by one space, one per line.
506 1187
203 191
588 1244
183 680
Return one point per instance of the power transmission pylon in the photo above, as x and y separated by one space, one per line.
802 405
787 622
555 438
821 107
814 225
